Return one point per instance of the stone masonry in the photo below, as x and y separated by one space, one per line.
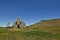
19 24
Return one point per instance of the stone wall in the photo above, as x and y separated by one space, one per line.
19 24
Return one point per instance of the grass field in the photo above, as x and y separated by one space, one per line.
44 33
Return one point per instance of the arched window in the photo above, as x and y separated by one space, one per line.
20 22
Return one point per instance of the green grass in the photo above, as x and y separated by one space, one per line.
30 34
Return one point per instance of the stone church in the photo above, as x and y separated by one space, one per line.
19 24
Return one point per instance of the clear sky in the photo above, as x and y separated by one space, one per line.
30 11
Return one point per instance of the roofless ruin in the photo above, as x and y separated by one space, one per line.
18 24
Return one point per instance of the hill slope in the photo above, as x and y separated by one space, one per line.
44 30
48 23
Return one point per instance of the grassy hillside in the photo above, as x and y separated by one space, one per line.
47 23
30 34
44 30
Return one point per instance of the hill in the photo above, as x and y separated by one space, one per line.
52 25
47 23
44 30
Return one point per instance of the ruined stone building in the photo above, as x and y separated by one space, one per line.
19 24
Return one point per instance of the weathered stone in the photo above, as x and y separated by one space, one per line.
19 24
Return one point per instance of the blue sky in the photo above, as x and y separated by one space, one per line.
30 11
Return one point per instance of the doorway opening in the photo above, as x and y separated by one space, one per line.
18 26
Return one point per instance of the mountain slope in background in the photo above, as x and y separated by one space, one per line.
47 23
